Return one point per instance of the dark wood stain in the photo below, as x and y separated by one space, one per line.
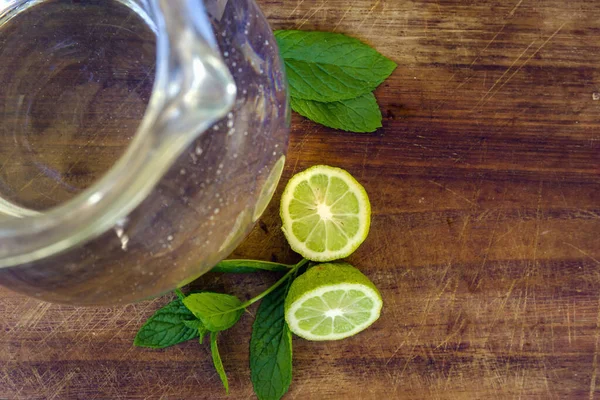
485 240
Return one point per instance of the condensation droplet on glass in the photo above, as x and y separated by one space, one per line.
230 123
183 171
216 210
120 231
234 64
235 155
170 238
199 150
226 54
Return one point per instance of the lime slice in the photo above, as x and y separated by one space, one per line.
268 189
331 302
325 212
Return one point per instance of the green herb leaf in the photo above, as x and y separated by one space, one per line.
326 67
194 324
271 348
197 325
214 349
166 327
217 311
248 266
359 115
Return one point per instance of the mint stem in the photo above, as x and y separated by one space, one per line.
246 266
179 294
295 268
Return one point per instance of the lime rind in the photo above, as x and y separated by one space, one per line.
342 199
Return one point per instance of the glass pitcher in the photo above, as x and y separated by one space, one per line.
140 142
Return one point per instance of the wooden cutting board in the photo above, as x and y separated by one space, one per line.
485 241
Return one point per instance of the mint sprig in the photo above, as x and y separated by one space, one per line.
197 314
331 77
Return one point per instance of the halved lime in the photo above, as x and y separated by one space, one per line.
268 189
325 212
331 302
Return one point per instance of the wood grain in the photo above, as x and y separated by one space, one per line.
485 242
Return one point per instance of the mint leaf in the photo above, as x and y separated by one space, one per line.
198 326
166 327
359 115
271 348
326 67
214 350
248 266
217 311
194 324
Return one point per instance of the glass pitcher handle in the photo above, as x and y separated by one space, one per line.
194 87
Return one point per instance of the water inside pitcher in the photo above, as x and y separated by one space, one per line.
107 102
77 80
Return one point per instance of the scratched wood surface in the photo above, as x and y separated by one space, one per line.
485 242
